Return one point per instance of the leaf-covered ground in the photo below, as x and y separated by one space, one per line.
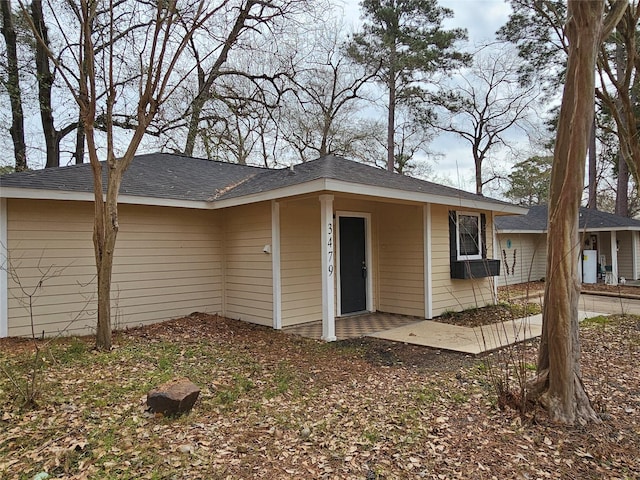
278 406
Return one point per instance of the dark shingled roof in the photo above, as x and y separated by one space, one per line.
158 175
536 220
168 176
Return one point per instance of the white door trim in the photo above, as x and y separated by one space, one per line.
367 253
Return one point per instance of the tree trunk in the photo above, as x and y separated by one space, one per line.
13 87
593 180
478 163
79 153
45 83
622 190
558 386
391 118
622 186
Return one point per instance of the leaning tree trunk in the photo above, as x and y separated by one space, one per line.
559 386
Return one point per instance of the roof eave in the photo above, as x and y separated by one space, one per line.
43 194
341 186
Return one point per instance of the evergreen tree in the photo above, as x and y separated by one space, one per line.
403 42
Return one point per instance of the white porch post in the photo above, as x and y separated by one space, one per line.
614 257
428 299
275 265
496 255
634 254
328 268
4 266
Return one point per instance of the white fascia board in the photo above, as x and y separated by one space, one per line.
582 230
341 186
386 192
512 232
42 194
314 186
611 229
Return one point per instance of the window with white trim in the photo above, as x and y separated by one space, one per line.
468 236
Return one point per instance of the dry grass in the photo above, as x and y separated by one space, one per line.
279 406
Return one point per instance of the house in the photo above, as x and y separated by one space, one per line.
609 240
276 247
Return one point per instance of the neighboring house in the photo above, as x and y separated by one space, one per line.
522 243
277 247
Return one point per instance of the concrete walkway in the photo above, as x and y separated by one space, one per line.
475 340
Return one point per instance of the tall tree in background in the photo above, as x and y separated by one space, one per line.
320 117
487 103
169 27
559 386
619 89
405 44
240 18
45 80
529 181
538 29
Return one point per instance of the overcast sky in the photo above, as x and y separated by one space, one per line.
481 18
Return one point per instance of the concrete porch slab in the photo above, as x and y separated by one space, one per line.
475 340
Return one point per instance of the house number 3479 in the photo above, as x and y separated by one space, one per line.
330 248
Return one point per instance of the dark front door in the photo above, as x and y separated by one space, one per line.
353 267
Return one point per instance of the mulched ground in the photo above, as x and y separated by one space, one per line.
534 288
279 406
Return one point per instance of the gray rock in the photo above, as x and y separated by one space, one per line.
173 398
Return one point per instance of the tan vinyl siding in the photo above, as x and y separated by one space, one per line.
300 261
167 264
625 258
400 259
454 294
525 261
604 247
248 271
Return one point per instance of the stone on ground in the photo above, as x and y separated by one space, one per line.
173 398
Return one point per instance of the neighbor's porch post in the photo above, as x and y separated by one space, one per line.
634 254
328 269
614 257
4 267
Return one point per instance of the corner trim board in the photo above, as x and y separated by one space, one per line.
275 265
428 290
4 266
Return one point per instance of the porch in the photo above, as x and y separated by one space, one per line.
353 326
438 335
